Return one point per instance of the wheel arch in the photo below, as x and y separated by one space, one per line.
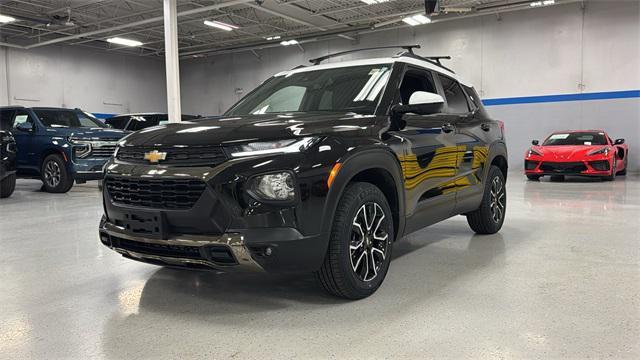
377 166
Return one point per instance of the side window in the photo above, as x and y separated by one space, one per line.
416 80
20 117
6 119
456 99
472 96
286 99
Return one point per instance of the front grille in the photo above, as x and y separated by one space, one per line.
530 165
177 156
104 151
600 165
219 254
563 167
173 194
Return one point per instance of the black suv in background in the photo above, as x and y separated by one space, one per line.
7 164
320 168
135 122
59 146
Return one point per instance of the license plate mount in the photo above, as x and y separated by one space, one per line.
149 224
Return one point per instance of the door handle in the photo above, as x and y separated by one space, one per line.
447 128
485 127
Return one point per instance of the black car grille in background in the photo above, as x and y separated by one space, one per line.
104 151
177 156
600 165
563 167
170 194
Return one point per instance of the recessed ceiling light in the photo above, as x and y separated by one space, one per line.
418 19
289 42
6 19
275 37
220 25
123 41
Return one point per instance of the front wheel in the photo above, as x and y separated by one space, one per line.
534 177
360 243
55 178
7 186
489 217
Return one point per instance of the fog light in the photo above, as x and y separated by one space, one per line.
275 187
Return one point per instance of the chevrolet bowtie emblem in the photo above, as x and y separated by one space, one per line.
155 156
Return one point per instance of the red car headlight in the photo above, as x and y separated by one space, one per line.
603 151
533 152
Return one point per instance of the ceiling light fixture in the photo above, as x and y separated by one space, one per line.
275 37
220 25
542 3
289 42
123 41
371 2
418 19
6 19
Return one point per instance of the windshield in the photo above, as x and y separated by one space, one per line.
349 89
68 118
576 138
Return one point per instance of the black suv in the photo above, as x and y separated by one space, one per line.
7 164
320 168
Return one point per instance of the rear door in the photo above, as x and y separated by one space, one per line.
429 162
26 158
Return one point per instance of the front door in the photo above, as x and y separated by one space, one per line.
26 158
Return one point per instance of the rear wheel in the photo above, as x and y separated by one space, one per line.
624 171
55 178
360 243
534 177
7 186
489 217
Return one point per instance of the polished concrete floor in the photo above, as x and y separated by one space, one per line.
561 280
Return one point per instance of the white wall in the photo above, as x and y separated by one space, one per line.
543 51
96 81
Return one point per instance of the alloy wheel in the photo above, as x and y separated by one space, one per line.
52 174
497 199
369 241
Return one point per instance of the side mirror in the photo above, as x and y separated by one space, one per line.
25 126
421 103
535 142
619 141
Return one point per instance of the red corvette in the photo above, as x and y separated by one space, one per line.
582 152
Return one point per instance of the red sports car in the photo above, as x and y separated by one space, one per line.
581 152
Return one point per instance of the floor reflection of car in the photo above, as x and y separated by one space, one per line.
7 164
59 146
582 153
135 122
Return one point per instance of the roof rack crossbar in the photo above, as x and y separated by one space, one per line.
435 60
408 48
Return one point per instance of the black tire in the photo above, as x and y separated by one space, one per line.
613 172
557 178
489 217
626 164
54 175
7 185
534 177
339 275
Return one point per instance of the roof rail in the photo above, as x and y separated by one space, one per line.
408 48
435 60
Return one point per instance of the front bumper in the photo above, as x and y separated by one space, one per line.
88 169
596 167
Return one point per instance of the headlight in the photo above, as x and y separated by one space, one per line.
81 148
533 152
279 186
604 151
272 147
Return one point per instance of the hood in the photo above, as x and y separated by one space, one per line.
94 133
228 130
566 152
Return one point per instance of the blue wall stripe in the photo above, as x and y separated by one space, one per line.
565 97
626 94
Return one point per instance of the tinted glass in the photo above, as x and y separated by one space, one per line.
145 121
456 99
576 138
67 118
472 96
6 119
349 89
